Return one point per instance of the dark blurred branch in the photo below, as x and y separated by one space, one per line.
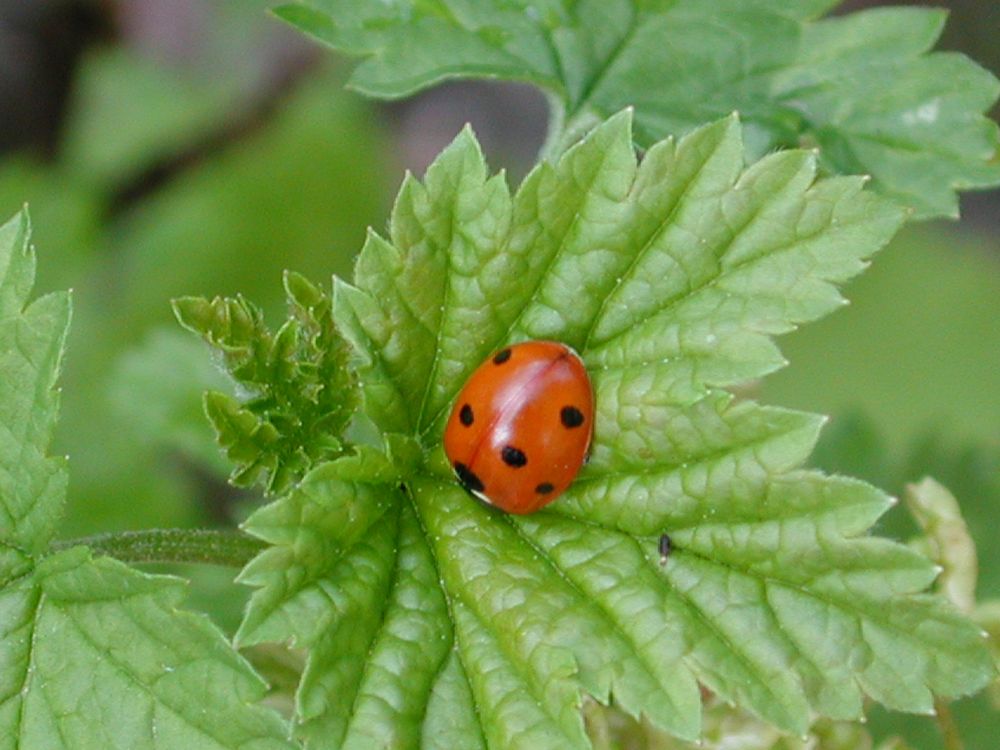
41 43
254 116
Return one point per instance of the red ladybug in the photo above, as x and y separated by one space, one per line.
521 427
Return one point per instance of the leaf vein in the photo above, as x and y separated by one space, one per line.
607 615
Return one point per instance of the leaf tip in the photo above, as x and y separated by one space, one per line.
618 125
185 310
24 216
464 141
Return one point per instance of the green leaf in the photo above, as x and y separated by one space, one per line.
987 615
298 392
426 612
351 577
32 338
92 653
862 86
726 728
947 537
104 659
970 470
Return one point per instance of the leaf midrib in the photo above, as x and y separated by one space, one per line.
446 596
708 457
377 630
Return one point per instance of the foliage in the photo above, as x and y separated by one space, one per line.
389 608
261 200
94 653
854 444
429 618
299 393
862 87
729 729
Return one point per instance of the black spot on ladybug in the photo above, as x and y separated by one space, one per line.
571 417
665 546
544 488
467 478
501 356
513 456
465 415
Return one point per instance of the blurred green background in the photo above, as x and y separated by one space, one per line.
171 147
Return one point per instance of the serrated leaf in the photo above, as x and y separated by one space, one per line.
987 615
947 539
92 653
861 86
108 661
726 728
670 276
351 577
296 393
32 338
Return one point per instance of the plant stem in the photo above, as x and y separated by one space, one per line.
215 547
947 726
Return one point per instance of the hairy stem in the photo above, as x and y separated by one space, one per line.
215 547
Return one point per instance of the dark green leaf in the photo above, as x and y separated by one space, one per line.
32 339
92 653
862 87
297 392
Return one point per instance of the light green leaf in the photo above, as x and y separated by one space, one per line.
987 615
947 539
32 338
92 653
726 728
670 276
108 661
351 577
862 86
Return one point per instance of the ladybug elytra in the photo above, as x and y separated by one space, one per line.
521 426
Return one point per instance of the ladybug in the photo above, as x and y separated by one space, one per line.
521 426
